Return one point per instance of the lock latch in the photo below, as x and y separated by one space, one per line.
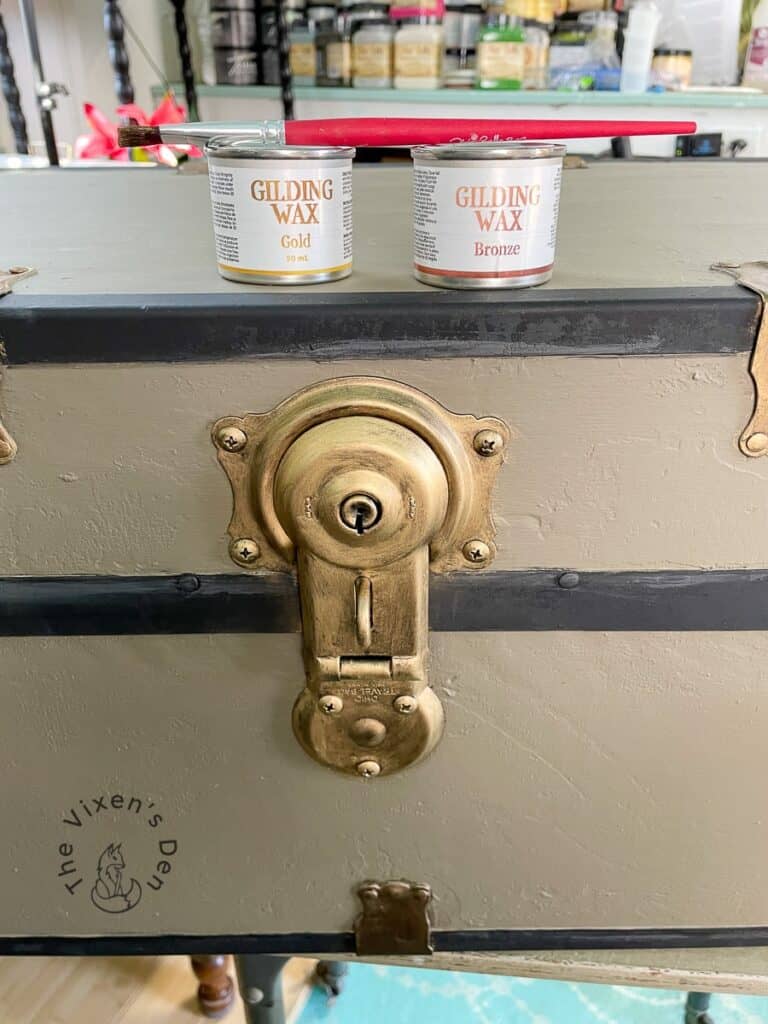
363 486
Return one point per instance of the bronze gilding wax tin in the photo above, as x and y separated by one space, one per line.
281 215
485 214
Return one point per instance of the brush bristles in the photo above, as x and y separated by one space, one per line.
131 135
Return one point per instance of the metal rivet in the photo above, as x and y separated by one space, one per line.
368 769
368 732
244 550
187 583
476 551
330 704
405 704
756 442
253 996
231 439
568 580
488 442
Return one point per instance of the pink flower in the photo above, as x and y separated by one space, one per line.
102 142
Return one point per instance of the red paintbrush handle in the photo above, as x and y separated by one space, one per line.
416 131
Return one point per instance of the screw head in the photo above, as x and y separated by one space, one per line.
244 551
368 769
330 704
488 443
756 442
405 704
476 551
231 439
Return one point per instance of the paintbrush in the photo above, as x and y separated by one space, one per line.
392 131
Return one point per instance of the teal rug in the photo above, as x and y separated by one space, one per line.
404 995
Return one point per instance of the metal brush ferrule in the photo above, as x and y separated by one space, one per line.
261 133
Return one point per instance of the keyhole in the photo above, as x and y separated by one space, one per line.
360 512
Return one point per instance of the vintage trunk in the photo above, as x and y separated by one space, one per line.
599 781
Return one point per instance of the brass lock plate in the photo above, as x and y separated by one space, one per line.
362 486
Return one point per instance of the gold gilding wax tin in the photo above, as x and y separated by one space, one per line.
485 214
281 215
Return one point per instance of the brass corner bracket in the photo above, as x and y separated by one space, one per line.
362 486
395 920
753 441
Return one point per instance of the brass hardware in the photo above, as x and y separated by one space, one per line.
754 276
477 552
395 920
8 446
11 276
405 705
488 443
231 439
362 486
244 551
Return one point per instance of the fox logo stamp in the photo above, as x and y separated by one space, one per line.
110 893
117 849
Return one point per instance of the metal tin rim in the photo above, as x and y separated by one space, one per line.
249 149
489 151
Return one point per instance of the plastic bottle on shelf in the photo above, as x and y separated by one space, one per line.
756 63
639 38
500 49
536 69
601 48
372 54
419 45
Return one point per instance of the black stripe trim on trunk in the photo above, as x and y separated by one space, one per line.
203 328
495 940
540 599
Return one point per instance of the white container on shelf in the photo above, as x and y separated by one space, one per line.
639 39
419 47
372 55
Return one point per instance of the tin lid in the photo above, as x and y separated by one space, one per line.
251 149
489 151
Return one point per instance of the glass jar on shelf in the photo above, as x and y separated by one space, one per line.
500 49
334 52
461 25
302 54
536 69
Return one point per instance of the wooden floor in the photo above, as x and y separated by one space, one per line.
119 990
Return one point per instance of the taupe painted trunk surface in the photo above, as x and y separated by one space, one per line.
584 780
616 463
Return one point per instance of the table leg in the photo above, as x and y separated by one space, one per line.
216 990
696 1007
330 976
261 987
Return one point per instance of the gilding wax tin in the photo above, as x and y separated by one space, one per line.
281 215
485 214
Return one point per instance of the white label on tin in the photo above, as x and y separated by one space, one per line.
273 217
485 218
